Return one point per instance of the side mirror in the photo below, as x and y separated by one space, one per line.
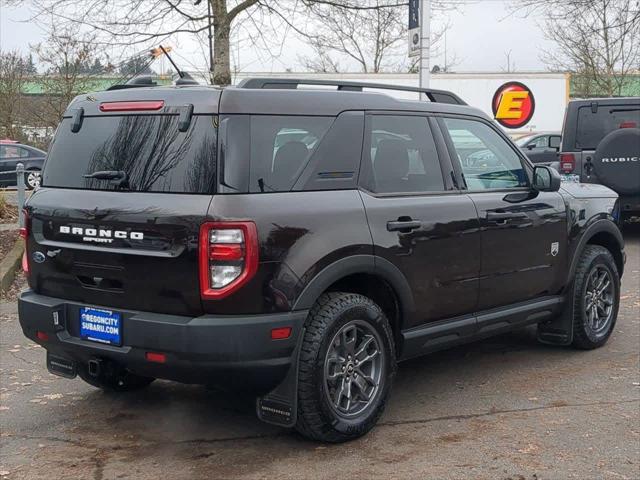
531 146
546 179
554 142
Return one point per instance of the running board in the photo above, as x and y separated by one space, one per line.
468 328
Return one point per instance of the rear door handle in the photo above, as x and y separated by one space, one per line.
404 226
502 217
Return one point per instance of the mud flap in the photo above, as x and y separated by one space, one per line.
280 405
559 330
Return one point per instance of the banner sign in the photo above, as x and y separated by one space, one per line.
414 28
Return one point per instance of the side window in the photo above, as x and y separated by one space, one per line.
541 142
10 151
274 149
488 161
402 156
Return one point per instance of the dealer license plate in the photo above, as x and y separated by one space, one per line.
102 326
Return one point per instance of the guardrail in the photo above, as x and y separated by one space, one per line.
19 172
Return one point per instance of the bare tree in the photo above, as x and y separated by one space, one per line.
13 75
370 38
373 34
64 60
598 40
129 22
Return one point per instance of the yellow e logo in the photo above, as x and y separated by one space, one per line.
511 104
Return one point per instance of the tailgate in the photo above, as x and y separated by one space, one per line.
122 250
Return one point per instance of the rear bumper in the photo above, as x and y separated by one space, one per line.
230 350
629 204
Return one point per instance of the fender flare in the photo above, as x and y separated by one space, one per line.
346 266
599 226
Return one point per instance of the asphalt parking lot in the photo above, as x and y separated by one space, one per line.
506 408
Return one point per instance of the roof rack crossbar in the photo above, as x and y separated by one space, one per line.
438 96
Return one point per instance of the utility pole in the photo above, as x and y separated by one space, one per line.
425 42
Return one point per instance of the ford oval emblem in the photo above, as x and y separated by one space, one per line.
39 257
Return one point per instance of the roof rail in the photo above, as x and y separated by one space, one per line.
438 96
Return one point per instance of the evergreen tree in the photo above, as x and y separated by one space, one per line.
136 66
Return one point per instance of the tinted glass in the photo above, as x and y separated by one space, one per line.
402 156
593 127
268 153
150 149
487 160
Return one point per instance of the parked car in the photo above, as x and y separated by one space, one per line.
541 147
601 144
12 153
301 242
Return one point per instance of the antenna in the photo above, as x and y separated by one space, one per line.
180 72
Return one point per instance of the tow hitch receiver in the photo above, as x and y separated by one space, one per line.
61 366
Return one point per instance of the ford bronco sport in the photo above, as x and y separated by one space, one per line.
601 144
301 241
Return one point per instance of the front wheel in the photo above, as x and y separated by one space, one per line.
347 366
596 298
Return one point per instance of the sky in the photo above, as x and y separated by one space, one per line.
480 33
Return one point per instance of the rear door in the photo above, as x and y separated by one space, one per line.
418 221
593 123
131 241
524 233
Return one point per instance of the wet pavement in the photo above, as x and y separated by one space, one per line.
505 408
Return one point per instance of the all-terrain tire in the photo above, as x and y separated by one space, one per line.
594 258
334 312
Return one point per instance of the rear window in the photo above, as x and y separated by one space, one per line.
150 149
268 153
593 127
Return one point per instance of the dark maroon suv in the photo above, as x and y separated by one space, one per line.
301 242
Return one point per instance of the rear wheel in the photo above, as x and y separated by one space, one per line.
596 298
32 179
347 365
114 379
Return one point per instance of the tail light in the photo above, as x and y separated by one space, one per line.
228 253
567 162
24 233
628 125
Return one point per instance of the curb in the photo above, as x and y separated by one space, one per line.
10 263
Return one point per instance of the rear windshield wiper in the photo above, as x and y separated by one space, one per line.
116 177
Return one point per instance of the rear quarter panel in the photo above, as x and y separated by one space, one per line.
300 233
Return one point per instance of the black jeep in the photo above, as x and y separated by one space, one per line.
601 144
301 242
